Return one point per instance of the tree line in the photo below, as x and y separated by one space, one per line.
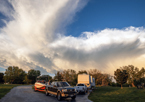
128 75
16 75
70 76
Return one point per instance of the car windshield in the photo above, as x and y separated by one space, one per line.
63 84
80 85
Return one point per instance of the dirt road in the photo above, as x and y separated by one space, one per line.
26 94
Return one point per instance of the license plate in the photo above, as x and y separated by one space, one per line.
71 95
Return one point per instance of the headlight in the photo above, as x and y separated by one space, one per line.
64 90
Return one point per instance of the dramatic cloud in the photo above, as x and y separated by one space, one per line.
105 50
30 27
34 37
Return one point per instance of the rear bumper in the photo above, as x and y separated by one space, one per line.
39 89
79 91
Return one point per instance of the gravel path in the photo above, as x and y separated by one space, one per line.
26 94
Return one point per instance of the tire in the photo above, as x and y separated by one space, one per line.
73 97
84 92
46 92
59 96
87 90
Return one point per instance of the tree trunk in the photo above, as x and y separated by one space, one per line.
132 84
121 86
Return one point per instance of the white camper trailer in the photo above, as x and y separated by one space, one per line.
85 79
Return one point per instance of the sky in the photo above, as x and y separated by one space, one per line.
54 35
101 14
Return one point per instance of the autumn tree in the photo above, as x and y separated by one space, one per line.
58 76
45 77
32 75
140 81
14 75
1 77
100 78
106 79
70 76
134 73
26 80
82 71
95 73
121 76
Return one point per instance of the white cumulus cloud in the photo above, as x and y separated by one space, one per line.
105 50
30 27
34 37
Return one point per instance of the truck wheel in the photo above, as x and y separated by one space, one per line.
73 97
46 92
86 91
58 96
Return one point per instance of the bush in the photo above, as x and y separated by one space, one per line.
139 81
125 85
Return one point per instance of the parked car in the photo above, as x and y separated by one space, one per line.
39 85
81 88
61 89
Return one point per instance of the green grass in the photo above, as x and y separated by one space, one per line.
116 94
33 87
4 89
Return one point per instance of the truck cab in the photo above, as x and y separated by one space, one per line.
61 89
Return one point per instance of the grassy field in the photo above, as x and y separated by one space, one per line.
4 89
33 87
116 94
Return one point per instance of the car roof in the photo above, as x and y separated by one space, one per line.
80 83
59 81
